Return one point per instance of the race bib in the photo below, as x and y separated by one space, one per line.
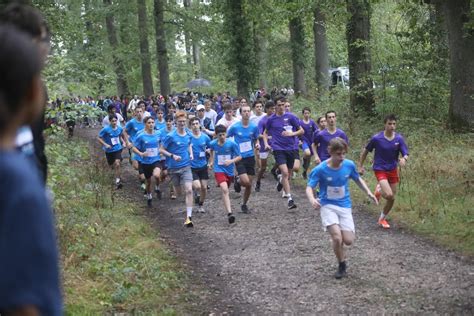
245 146
288 128
202 154
336 193
115 141
152 152
222 158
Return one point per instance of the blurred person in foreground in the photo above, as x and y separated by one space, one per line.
29 270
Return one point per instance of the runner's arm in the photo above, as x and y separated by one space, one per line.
363 156
103 143
211 159
310 194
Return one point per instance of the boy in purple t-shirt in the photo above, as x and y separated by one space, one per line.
388 146
322 139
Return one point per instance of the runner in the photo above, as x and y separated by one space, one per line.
207 126
322 139
200 142
245 135
297 163
169 127
332 176
210 113
284 128
263 152
147 145
309 127
388 146
228 119
112 137
176 146
255 118
224 154
160 122
111 110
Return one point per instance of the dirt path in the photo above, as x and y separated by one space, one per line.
275 261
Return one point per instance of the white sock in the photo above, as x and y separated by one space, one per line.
382 216
289 196
189 211
117 180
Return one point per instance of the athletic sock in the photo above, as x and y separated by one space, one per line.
189 211
149 196
117 180
382 216
289 196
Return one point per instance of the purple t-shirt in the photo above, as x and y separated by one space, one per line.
322 139
386 151
309 130
275 126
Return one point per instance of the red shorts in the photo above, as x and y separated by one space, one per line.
391 176
223 177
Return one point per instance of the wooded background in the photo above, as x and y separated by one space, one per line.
412 54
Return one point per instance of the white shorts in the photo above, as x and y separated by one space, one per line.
263 155
332 214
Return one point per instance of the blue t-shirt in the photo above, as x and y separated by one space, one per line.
387 151
149 143
159 125
229 150
177 145
111 137
322 139
29 264
245 137
276 125
133 127
334 183
199 150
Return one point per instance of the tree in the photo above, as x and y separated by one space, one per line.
122 86
460 26
161 50
358 42
320 50
144 48
297 53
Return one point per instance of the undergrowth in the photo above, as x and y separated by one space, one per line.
111 258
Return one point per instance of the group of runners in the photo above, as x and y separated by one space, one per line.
185 146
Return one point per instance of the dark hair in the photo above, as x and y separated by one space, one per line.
280 98
390 117
329 112
319 119
112 116
169 117
110 107
306 109
141 102
191 120
20 63
336 144
26 18
257 102
220 129
269 104
227 107
146 119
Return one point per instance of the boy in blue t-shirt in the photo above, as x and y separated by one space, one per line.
333 175
113 139
224 154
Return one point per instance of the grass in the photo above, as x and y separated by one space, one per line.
436 192
111 258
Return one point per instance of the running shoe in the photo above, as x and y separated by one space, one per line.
188 222
231 218
244 208
257 186
291 204
172 195
118 184
378 192
383 222
143 186
201 209
279 185
237 186
341 271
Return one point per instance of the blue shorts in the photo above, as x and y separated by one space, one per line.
305 146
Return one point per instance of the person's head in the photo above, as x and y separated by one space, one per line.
21 88
142 104
155 106
270 107
138 113
243 101
236 104
258 106
111 108
30 21
159 113
321 121
181 119
280 105
200 111
337 149
149 123
207 105
390 123
171 108
306 113
228 111
169 121
331 118
113 120
194 124
220 131
287 106
245 112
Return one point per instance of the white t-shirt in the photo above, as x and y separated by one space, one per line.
106 122
227 123
212 115
255 119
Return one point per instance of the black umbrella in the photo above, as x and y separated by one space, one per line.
198 83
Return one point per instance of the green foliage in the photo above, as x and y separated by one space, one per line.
111 258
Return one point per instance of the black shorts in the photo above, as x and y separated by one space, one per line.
200 173
112 156
283 157
246 165
148 168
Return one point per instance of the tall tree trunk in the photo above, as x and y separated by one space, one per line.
297 54
196 59
161 50
461 47
261 54
320 50
144 48
358 42
122 86
187 36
